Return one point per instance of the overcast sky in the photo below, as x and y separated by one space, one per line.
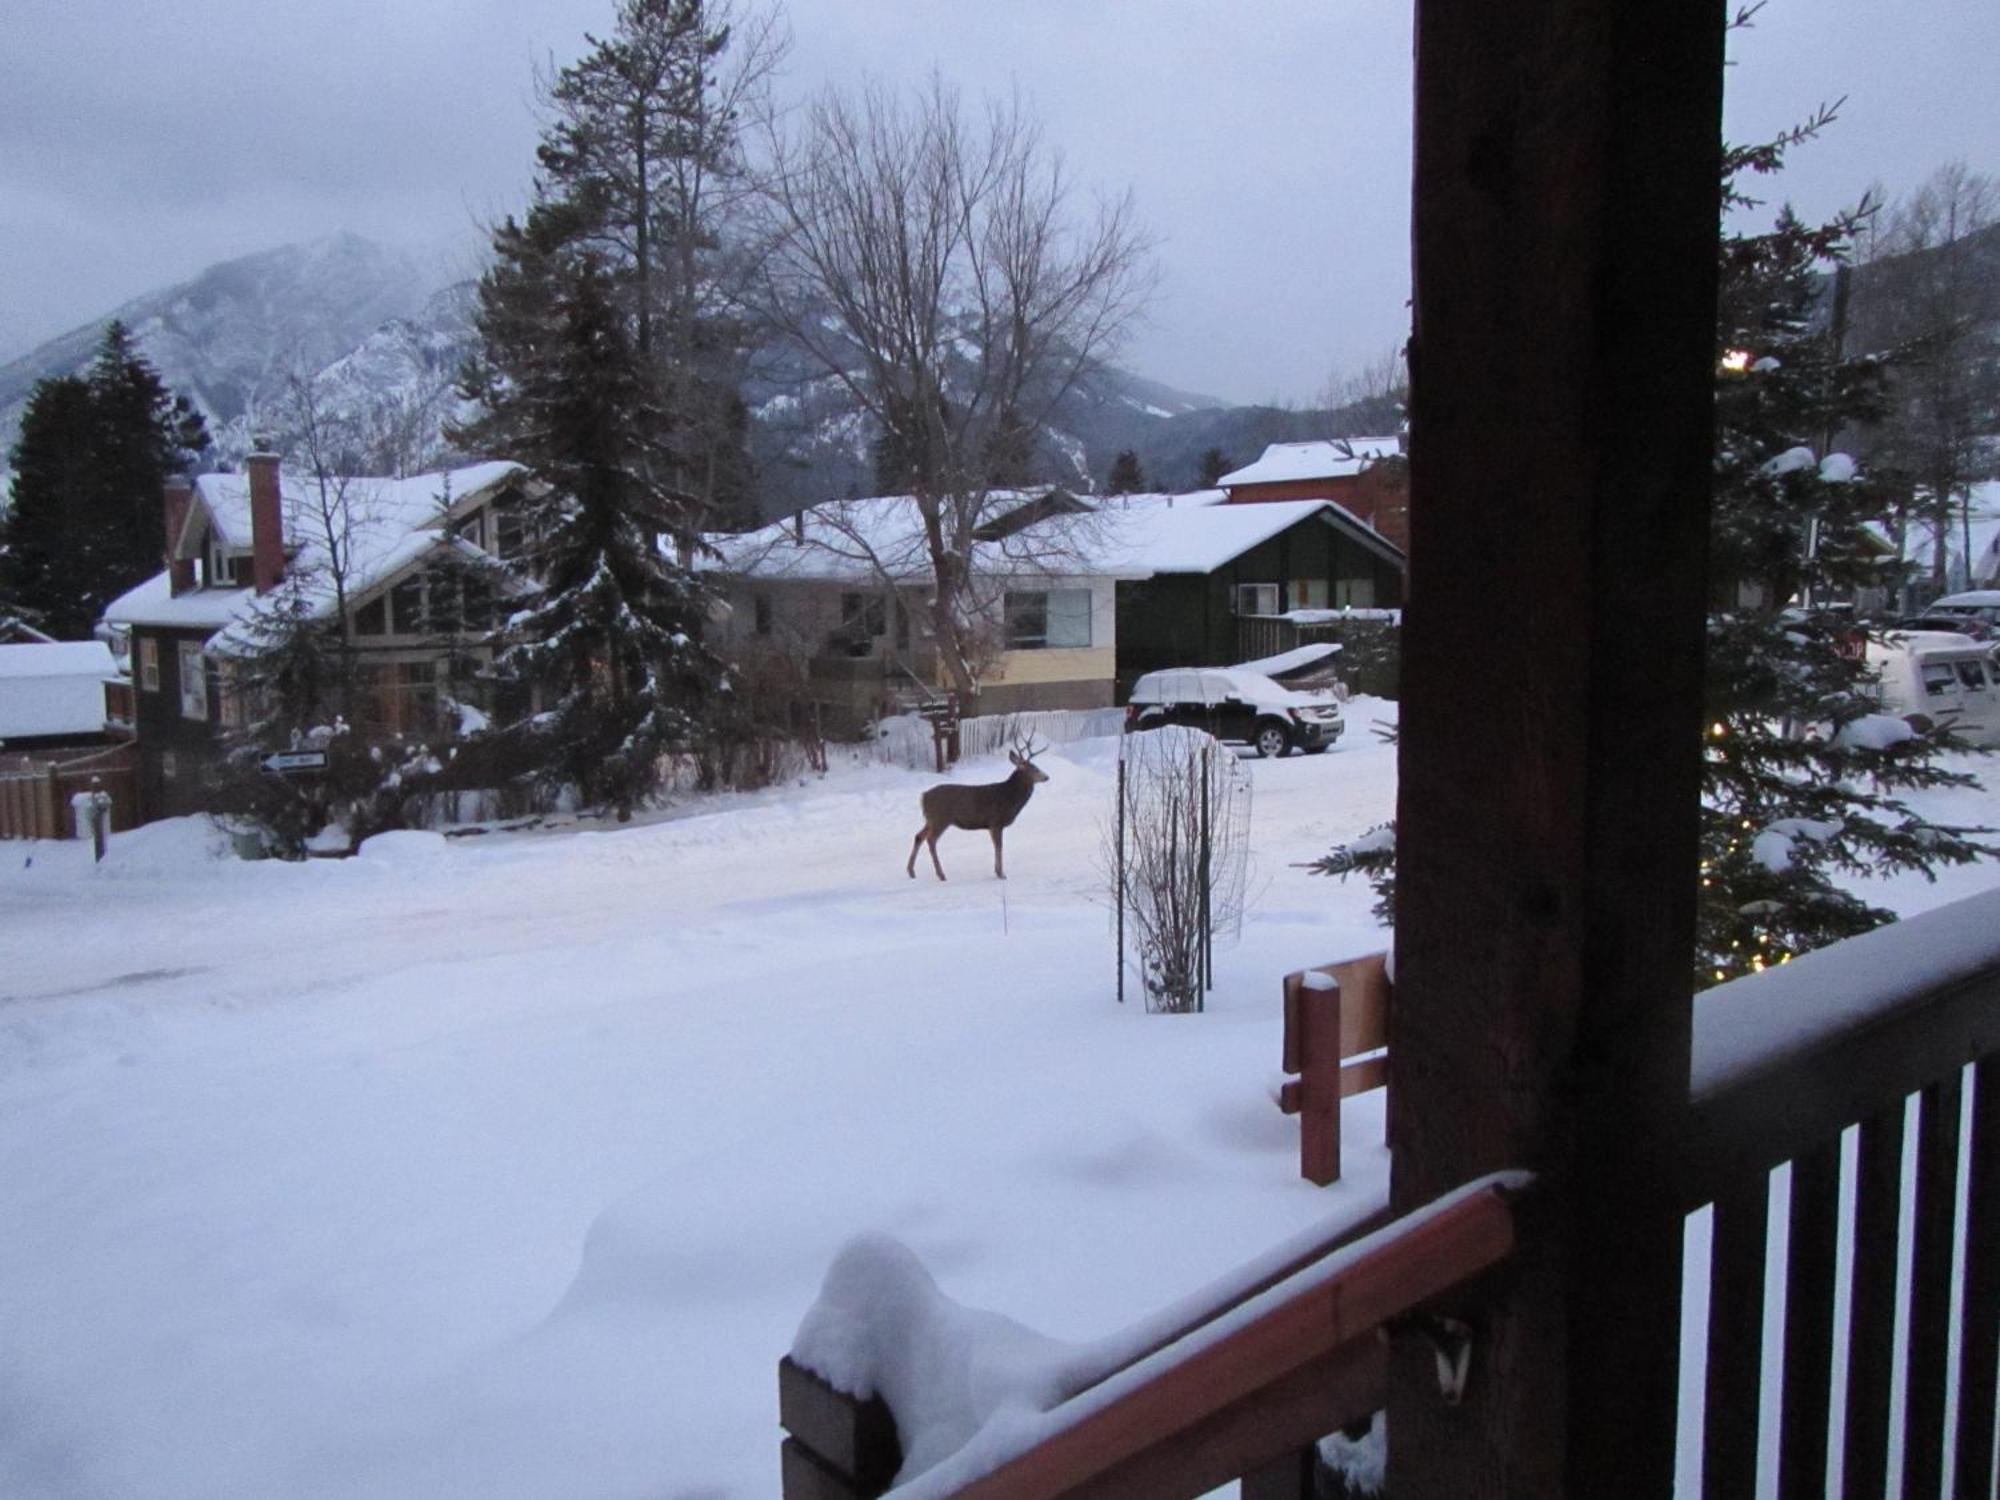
1266 141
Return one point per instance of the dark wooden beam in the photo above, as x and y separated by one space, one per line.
1565 222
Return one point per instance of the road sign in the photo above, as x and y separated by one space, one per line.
296 760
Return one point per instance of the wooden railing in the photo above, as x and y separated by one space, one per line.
1243 1390
1786 1064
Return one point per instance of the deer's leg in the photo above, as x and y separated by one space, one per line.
999 869
915 847
933 833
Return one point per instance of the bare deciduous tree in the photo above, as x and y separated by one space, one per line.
938 266
1934 300
1369 399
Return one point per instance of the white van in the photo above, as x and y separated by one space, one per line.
1942 678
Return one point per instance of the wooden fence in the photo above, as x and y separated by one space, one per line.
35 790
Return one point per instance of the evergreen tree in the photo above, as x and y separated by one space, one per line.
1803 781
1214 464
1127 478
640 140
610 649
42 562
84 525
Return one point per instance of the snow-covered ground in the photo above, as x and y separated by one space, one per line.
507 1166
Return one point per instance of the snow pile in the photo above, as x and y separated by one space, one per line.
882 1327
1839 468
1774 847
1874 732
1791 461
1295 660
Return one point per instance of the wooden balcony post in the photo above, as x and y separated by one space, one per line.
1565 223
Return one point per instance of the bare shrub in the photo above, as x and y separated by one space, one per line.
1176 855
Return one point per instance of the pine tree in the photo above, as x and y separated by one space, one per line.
84 525
640 140
42 557
1214 464
611 648
1803 781
1126 478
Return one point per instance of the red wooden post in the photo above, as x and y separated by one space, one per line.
1332 1014
1312 1050
1562 391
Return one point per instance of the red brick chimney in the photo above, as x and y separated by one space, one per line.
267 522
176 499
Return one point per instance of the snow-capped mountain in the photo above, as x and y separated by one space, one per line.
381 340
230 337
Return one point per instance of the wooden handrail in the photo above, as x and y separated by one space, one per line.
1787 1059
1264 1378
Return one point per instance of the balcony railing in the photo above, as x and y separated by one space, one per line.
1787 1066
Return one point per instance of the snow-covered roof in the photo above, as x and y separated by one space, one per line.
1334 458
1146 540
392 523
384 505
53 689
1127 536
846 541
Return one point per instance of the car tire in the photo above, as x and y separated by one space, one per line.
1272 739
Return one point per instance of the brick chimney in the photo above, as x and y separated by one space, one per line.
267 522
177 498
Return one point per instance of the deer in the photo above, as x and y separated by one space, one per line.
992 806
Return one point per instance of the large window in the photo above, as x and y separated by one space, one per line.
864 619
194 681
1047 619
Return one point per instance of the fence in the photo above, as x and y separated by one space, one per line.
906 740
35 790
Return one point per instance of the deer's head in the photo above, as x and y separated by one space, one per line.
1023 757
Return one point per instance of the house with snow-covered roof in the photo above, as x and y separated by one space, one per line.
416 569
1366 476
52 694
1083 595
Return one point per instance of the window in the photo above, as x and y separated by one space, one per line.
1256 598
1309 593
406 606
864 619
509 536
225 569
1970 674
761 604
473 528
149 664
194 681
1938 678
372 618
1051 618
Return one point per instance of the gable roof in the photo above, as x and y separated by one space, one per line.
1337 458
1127 536
53 689
394 522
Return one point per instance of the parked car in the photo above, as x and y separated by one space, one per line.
1980 605
1945 620
1236 706
1940 677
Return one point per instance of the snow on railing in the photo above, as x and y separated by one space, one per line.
985 1407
